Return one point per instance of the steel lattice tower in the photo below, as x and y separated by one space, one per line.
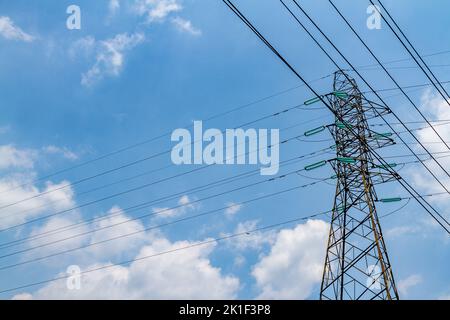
356 264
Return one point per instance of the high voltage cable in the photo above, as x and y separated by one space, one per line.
404 87
364 80
244 233
216 240
165 198
128 190
395 211
163 135
408 122
137 176
441 87
171 197
410 67
402 60
129 147
378 157
350 64
267 43
143 160
153 202
241 107
392 78
168 151
6 267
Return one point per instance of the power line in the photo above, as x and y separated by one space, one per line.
393 80
262 38
168 151
168 133
6 267
348 24
402 60
197 244
414 49
157 201
398 119
174 196
340 53
127 191
137 176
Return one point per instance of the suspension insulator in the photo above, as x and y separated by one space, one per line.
314 131
346 160
315 165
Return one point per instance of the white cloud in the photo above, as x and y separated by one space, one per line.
405 285
110 57
402 231
232 209
184 204
23 296
11 157
12 32
41 200
55 223
294 265
189 271
435 108
186 26
253 239
156 10
112 225
115 248
83 46
20 199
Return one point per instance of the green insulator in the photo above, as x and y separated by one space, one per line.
383 135
312 101
386 166
315 165
387 200
346 160
343 125
314 131
341 94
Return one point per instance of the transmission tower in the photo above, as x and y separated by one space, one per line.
357 264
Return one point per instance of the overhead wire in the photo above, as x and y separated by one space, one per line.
365 81
405 184
91 244
142 258
394 81
441 88
398 119
153 202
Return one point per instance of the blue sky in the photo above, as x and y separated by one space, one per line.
137 69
